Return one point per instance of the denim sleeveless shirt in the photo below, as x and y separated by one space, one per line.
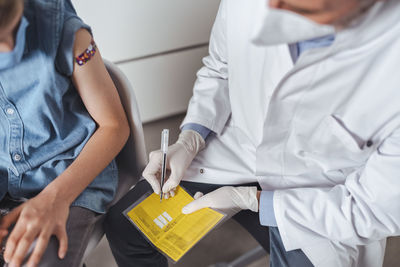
43 122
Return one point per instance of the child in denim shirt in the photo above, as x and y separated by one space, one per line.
61 125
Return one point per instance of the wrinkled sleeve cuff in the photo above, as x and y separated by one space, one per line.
203 131
267 214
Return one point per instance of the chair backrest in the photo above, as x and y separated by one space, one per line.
132 159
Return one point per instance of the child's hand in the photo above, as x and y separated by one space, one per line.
37 219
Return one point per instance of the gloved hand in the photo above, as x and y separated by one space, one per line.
228 199
179 157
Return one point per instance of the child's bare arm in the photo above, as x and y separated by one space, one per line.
101 99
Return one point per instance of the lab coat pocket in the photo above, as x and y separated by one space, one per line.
343 135
333 147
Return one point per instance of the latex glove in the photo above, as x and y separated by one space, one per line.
227 199
179 157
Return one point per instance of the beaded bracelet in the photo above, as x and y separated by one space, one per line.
87 55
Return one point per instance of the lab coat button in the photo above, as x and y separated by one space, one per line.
369 143
201 171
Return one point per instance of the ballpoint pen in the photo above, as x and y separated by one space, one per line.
164 150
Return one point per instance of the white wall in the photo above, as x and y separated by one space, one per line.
158 44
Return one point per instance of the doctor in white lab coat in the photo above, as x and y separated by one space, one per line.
318 130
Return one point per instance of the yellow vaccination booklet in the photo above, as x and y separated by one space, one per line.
166 227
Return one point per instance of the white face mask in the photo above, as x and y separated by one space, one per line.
276 26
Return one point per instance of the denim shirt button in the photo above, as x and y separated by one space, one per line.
17 157
10 111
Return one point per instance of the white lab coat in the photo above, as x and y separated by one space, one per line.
324 133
